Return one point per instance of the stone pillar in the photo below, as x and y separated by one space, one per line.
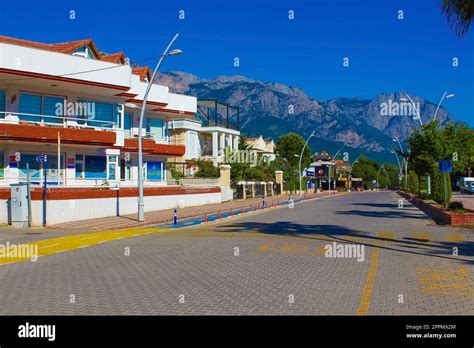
215 144
224 178
264 188
279 180
224 182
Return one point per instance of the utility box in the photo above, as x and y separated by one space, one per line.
19 205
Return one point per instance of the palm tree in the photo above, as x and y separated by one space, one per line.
459 14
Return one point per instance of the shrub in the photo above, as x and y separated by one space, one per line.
206 169
413 183
437 187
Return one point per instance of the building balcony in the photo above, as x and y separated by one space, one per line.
45 129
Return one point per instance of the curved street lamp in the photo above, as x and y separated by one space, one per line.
350 172
166 52
301 157
414 107
330 165
445 96
405 161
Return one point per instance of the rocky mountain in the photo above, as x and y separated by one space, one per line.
272 109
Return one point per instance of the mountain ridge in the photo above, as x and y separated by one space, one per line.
272 109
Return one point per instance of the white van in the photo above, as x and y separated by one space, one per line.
465 184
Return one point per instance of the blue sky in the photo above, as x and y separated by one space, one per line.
386 54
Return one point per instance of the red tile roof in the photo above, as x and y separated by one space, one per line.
118 58
142 71
62 47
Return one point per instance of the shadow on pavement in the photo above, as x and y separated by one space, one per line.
318 232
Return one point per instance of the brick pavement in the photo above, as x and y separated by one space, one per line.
280 254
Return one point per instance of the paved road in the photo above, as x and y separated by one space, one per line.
265 263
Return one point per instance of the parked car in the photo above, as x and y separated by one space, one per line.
465 184
471 187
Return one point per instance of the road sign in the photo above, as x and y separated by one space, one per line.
42 158
309 185
309 173
17 157
445 166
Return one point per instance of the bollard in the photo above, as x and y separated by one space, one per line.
205 218
219 215
258 205
175 216
241 209
231 212
263 203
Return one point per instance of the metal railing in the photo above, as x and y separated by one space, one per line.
55 121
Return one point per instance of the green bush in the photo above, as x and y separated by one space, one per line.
413 183
437 187
206 169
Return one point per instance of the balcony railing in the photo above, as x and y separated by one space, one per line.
55 121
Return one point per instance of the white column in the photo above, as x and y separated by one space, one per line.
215 149
229 141
236 143
221 142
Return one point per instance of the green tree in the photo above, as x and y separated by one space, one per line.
459 14
206 169
413 183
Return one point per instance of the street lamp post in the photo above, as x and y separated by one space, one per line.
382 167
141 204
301 157
445 96
404 159
350 172
330 165
414 107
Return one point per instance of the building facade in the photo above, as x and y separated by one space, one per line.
78 109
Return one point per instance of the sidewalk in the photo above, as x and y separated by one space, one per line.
167 216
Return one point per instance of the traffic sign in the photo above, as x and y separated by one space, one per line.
309 173
42 158
309 185
445 166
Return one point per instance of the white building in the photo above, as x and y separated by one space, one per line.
215 128
69 102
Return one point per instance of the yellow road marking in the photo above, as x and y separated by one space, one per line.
369 283
387 235
456 238
451 282
74 242
420 235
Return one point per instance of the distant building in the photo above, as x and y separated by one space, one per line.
265 147
319 169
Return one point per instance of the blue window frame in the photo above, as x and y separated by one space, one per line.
40 105
156 128
95 167
51 166
154 171
30 104
127 122
3 97
103 112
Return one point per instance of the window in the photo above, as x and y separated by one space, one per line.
85 52
2 103
103 116
127 123
2 165
156 128
154 171
95 167
112 167
51 166
79 166
33 105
